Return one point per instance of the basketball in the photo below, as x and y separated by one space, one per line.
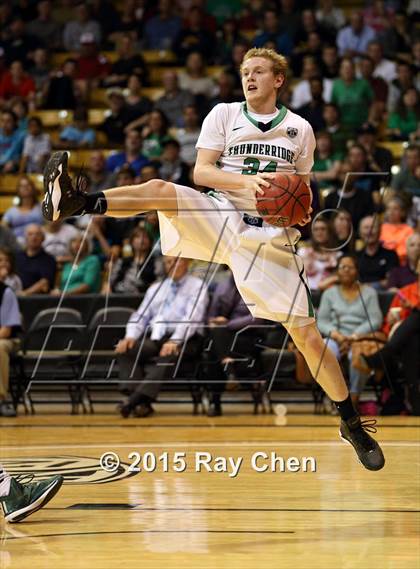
286 202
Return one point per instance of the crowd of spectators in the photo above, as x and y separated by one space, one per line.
354 75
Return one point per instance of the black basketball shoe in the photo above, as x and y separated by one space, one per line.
62 199
354 432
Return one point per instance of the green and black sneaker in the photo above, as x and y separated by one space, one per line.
354 432
26 499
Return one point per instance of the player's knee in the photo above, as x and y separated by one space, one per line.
307 338
160 188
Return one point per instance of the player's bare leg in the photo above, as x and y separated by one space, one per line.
326 370
63 199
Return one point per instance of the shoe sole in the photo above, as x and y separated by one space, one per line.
23 513
357 456
51 173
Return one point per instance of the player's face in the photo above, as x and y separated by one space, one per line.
259 82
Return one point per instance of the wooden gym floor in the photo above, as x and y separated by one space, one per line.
340 516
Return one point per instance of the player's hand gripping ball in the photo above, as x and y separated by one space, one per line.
286 202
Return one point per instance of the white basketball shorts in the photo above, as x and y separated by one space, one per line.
269 275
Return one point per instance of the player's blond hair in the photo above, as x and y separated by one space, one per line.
279 62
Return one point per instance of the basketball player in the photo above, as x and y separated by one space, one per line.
20 500
240 147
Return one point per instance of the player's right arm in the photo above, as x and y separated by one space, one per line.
207 173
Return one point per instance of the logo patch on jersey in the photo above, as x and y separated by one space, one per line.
291 131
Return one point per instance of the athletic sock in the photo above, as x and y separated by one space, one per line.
95 203
346 410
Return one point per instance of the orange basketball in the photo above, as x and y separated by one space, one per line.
286 202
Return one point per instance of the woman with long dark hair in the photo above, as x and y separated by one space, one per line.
403 124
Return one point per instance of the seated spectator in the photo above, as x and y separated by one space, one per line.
347 312
406 274
7 239
378 16
18 44
168 322
233 68
363 176
313 111
230 351
194 36
161 30
398 37
98 176
119 117
36 148
226 39
383 68
377 83
352 96
376 262
172 168
155 134
405 80
194 77
271 32
320 261
311 48
379 158
342 232
395 231
8 274
128 62
132 154
82 24
17 83
78 134
21 109
10 324
40 72
105 243
136 103
302 90
329 15
402 326
330 63
327 163
44 27
351 198
35 267
61 91
188 135
404 122
58 236
81 275
92 66
174 99
134 273
26 212
11 142
125 24
339 133
408 178
225 86
354 39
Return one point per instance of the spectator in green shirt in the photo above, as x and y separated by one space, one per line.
83 274
403 124
327 162
352 96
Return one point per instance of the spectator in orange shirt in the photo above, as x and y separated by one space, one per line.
16 83
403 346
394 232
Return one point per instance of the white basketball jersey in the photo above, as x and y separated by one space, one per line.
247 146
